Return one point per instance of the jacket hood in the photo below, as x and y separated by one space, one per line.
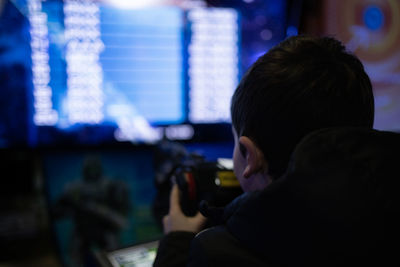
338 202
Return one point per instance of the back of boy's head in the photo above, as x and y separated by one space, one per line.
303 84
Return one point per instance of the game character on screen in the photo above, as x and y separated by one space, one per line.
99 208
301 85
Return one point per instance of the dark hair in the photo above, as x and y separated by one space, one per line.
302 84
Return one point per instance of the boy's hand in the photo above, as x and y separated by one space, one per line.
176 220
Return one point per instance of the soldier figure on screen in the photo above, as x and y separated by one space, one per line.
98 207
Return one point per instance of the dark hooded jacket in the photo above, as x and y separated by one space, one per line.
337 205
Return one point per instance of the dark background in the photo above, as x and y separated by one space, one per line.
27 231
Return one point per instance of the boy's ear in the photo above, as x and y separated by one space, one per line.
253 156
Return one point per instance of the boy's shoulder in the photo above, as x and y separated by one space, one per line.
216 246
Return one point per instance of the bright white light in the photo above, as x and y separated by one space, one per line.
135 3
179 132
85 77
43 106
213 57
227 163
137 129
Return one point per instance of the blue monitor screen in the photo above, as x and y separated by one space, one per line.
109 71
119 64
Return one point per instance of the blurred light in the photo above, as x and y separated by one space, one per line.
84 73
136 130
179 132
373 18
135 3
213 55
362 37
248 1
226 163
44 114
266 34
291 31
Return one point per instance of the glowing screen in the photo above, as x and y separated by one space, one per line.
98 64
104 71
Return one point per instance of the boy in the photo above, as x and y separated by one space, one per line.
301 85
